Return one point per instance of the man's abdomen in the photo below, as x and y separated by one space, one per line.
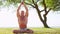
22 25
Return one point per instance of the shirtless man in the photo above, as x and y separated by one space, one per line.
22 18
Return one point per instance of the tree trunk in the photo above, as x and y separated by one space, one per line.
45 21
45 25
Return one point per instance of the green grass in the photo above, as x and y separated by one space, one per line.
36 30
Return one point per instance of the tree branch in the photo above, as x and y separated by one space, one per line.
30 4
48 11
33 1
36 6
44 5
38 11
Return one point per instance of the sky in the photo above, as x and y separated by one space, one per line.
8 18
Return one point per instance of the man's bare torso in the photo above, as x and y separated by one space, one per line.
22 21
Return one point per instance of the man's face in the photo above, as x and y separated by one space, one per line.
22 13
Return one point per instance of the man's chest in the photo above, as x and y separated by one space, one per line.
23 18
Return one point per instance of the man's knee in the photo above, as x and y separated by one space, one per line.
16 31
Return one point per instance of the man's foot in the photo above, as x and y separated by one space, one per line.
29 31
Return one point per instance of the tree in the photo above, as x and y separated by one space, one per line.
48 5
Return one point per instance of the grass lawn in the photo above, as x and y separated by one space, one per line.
36 30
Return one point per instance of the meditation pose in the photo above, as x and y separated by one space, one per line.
22 21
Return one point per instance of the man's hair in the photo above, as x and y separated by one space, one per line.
22 13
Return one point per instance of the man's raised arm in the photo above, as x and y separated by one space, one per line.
26 10
18 10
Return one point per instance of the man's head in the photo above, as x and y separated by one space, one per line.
22 13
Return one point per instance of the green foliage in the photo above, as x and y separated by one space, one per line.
29 1
1 3
54 4
13 1
49 3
